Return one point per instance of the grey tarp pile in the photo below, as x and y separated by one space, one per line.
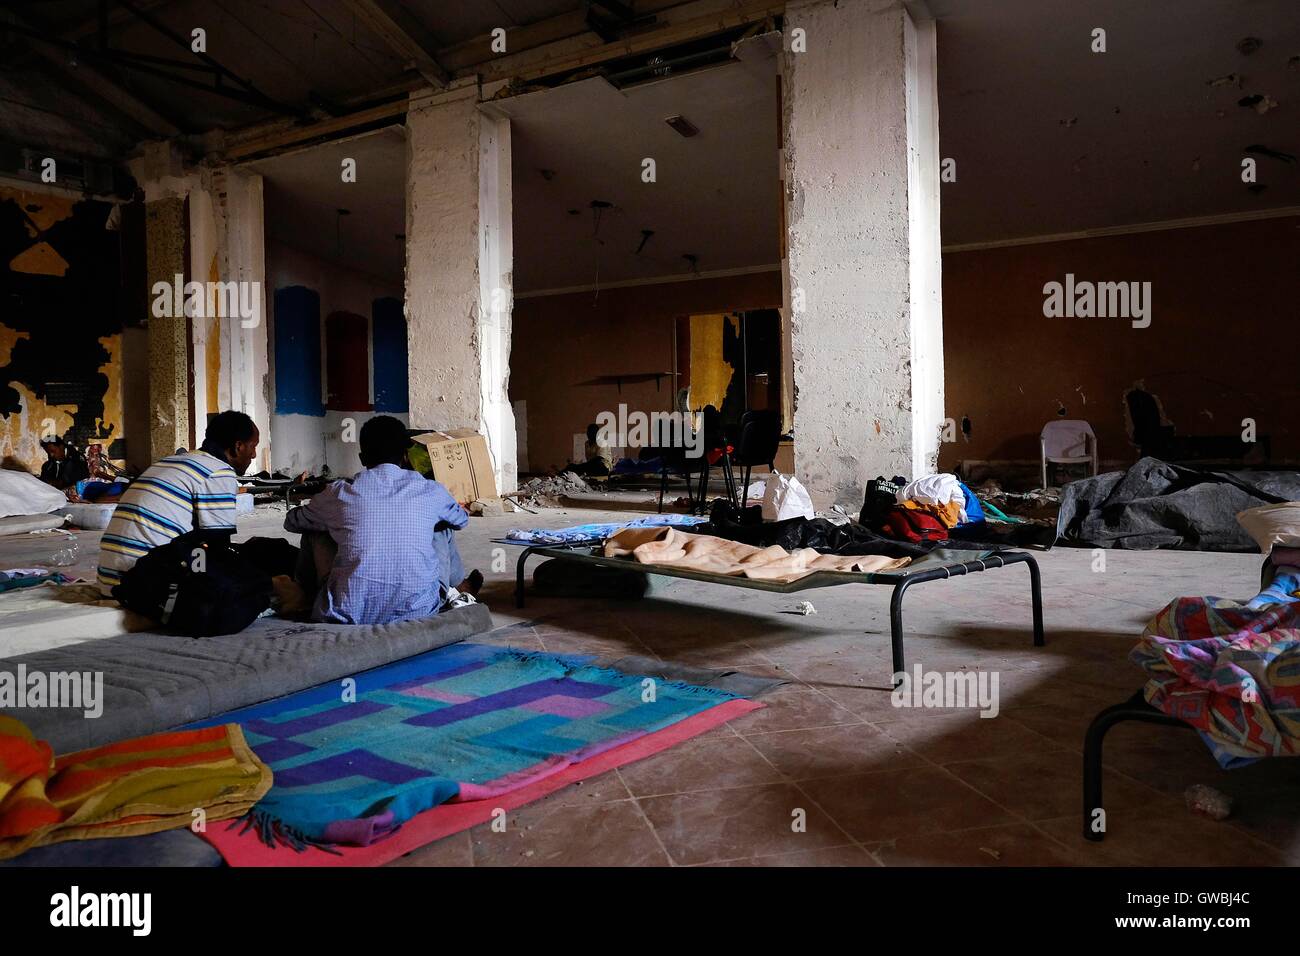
1158 505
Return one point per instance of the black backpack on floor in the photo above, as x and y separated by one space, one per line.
197 587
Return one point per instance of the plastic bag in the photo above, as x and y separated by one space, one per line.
785 497
25 494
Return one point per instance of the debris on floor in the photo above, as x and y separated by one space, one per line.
1205 801
1039 505
837 515
803 607
548 492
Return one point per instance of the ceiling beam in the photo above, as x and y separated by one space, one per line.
250 93
292 135
664 35
117 17
97 83
405 35
530 36
261 137
620 10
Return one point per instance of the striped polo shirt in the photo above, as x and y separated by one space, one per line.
175 495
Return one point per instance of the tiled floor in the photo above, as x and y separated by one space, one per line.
831 773
871 784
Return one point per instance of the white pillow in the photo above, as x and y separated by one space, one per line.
1273 526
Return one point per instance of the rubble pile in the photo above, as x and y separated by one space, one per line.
548 492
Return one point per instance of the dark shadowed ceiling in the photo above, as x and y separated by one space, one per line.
715 194
303 193
299 53
1048 137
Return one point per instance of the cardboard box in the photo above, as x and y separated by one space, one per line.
459 459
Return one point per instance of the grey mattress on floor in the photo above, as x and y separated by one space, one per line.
154 681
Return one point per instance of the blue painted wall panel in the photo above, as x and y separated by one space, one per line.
390 356
297 352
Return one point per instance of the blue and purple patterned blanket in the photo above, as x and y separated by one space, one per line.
352 761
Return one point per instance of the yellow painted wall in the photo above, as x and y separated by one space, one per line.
710 374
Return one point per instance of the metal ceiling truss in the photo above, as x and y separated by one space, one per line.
219 81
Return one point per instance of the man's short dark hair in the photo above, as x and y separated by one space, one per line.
225 429
383 441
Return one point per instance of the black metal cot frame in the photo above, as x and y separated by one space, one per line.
900 580
1135 708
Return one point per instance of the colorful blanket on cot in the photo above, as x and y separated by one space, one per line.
131 787
464 722
1230 670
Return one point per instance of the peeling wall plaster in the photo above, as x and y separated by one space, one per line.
61 331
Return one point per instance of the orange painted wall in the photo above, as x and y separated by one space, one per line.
559 341
1223 344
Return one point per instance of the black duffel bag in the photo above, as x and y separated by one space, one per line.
196 586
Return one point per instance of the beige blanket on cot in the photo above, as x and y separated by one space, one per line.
701 552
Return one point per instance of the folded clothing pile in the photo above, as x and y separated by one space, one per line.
925 509
944 497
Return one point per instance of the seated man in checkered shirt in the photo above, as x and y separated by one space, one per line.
389 555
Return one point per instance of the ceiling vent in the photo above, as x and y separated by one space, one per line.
682 125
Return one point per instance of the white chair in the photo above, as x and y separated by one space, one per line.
1068 442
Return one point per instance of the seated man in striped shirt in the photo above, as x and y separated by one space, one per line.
379 548
181 493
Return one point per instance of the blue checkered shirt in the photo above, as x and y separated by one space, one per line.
388 566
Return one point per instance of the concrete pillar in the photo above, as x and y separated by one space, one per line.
459 262
925 252
863 253
245 372
224 232
169 393
204 336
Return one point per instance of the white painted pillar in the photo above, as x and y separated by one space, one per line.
861 174
459 262
245 379
924 246
496 293
205 258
